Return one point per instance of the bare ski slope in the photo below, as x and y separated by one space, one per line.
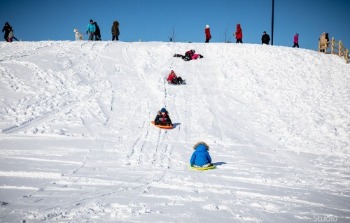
76 144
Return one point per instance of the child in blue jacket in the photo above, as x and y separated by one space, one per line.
200 157
91 29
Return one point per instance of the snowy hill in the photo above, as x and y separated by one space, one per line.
76 144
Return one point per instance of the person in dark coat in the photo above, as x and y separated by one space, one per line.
115 31
265 39
7 29
163 118
97 32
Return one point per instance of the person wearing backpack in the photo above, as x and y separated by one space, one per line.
7 29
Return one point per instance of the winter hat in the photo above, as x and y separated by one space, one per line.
200 143
207 26
162 110
264 32
91 20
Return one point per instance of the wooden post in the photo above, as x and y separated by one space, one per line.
332 47
340 48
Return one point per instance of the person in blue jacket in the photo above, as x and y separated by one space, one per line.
200 157
91 29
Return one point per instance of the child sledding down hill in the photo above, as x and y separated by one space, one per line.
173 79
201 157
163 118
189 55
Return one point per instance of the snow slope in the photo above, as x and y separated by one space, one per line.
76 144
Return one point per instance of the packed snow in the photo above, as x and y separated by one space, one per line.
76 143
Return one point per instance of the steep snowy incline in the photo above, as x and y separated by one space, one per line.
76 144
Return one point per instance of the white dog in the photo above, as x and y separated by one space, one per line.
78 35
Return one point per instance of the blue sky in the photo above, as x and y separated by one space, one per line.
154 20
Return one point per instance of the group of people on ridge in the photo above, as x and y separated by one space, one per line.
93 30
238 34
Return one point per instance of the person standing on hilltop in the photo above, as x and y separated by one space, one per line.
7 29
238 34
265 39
91 29
296 40
97 32
115 31
207 34
323 42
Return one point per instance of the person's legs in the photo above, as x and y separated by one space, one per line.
178 55
6 37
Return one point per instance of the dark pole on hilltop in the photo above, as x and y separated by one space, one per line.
272 20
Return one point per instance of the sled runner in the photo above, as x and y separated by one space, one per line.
203 168
162 126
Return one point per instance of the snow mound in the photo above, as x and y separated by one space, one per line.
77 144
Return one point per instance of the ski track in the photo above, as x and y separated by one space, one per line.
100 160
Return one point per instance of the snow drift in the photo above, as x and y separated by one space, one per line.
76 144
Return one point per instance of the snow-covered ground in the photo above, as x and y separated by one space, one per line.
76 144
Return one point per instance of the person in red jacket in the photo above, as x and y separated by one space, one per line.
238 34
207 34
173 79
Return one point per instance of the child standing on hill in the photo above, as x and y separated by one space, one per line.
91 29
200 157
115 31
296 40
238 34
207 34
